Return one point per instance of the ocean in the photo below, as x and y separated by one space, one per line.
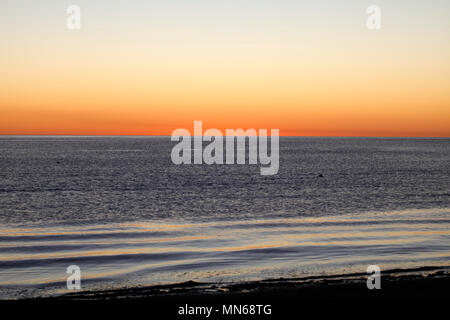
118 208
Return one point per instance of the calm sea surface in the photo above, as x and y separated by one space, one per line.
120 210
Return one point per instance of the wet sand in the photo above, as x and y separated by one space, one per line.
429 283
403 293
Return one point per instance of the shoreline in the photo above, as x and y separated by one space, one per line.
403 293
396 284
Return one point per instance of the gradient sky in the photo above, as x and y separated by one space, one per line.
149 67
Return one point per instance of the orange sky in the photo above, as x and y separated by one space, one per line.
328 76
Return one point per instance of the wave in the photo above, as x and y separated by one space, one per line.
146 252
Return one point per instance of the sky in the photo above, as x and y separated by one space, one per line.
308 68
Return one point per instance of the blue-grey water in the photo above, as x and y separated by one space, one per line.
120 210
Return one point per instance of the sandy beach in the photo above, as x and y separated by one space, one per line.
403 293
399 284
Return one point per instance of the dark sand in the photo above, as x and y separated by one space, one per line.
403 293
429 283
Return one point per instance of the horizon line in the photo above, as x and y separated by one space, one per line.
162 135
